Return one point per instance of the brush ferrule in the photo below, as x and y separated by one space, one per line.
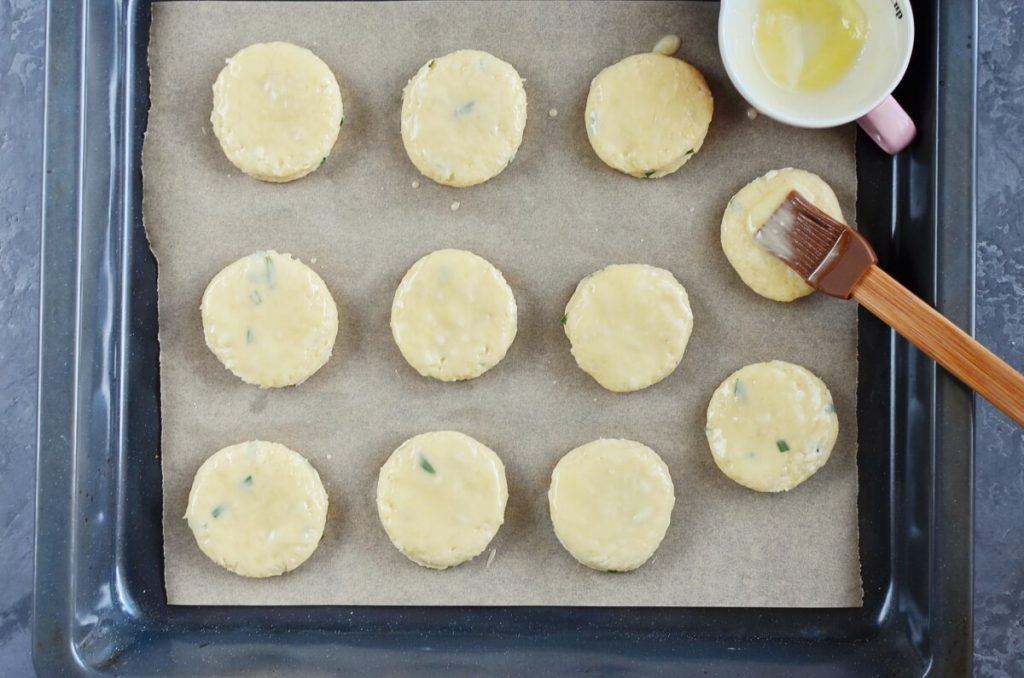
852 259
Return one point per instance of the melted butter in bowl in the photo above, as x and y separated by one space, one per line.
808 46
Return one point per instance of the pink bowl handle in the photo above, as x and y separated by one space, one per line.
889 125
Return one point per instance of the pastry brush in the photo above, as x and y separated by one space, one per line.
835 259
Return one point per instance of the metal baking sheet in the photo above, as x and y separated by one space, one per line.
99 603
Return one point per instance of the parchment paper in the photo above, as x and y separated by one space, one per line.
556 214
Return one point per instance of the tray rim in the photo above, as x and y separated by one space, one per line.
61 402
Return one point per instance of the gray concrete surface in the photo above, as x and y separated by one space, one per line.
999 454
22 50
999 565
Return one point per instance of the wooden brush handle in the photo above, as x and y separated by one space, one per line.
947 344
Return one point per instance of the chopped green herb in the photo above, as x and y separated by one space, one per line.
690 152
342 123
256 297
465 109
323 161
649 173
830 408
247 482
431 64
217 510
782 445
739 390
249 337
426 466
268 263
565 318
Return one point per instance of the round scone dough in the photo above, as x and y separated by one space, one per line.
276 111
270 319
771 426
257 508
463 117
628 325
441 498
748 211
648 114
611 502
453 316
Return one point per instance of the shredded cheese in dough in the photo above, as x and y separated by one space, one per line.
270 319
771 426
257 508
611 503
277 111
441 498
453 316
628 325
463 117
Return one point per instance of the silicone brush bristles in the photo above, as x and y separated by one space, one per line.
826 253
800 234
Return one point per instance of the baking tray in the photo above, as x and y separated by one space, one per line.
100 606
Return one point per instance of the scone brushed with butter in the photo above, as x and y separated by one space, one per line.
747 212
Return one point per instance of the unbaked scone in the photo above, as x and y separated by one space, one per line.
611 502
276 111
771 426
628 325
748 211
441 498
270 319
453 316
463 117
648 114
257 508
